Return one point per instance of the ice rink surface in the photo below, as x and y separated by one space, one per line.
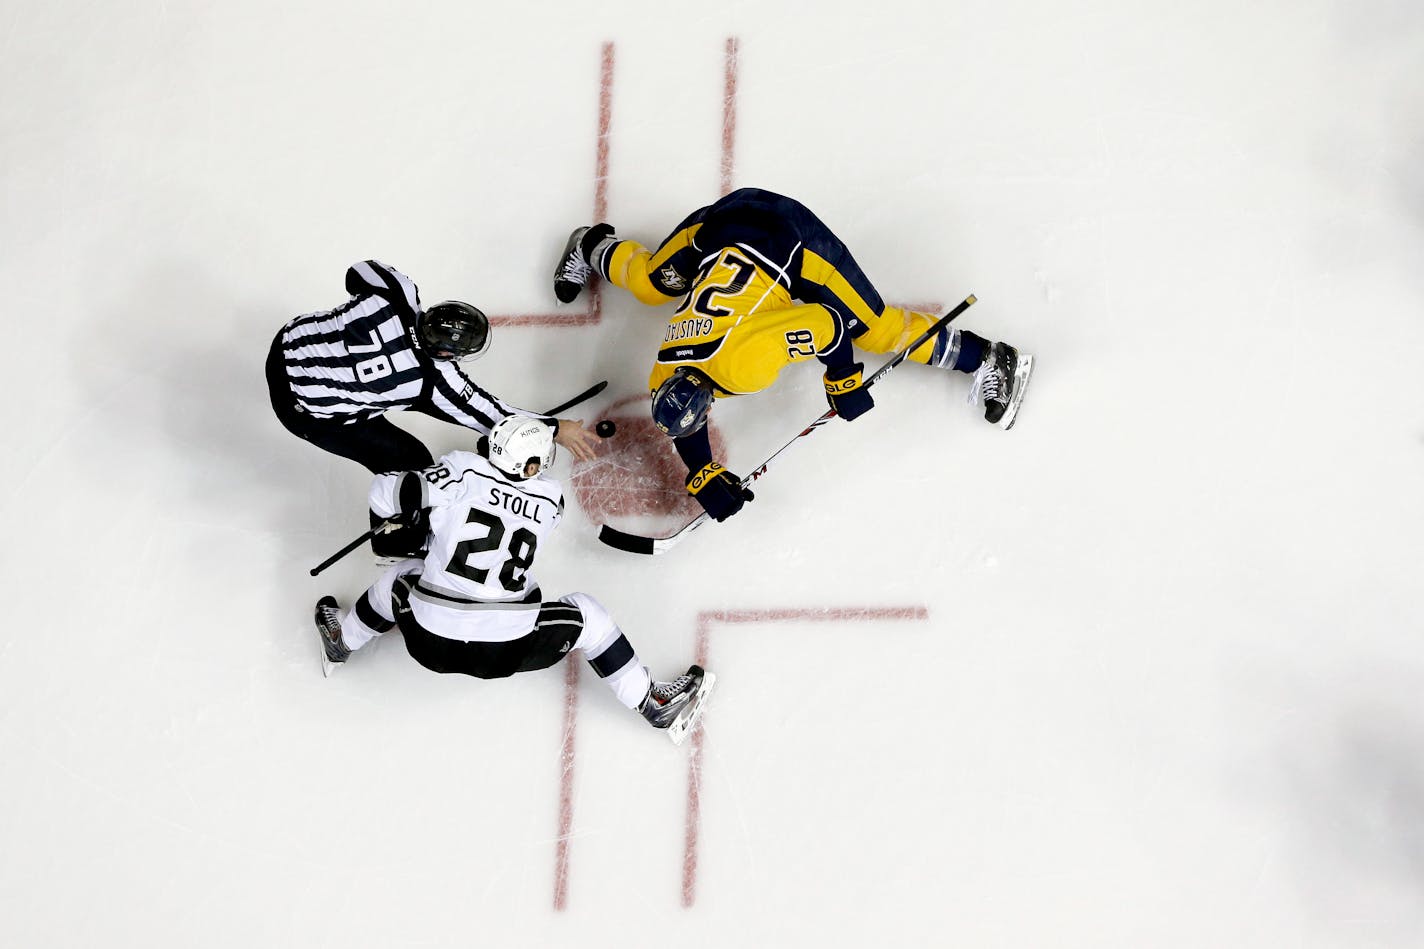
1143 672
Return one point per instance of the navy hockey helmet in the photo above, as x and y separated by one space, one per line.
681 404
453 330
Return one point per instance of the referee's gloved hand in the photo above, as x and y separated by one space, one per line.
846 391
718 491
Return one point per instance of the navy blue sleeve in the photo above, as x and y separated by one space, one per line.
840 353
695 449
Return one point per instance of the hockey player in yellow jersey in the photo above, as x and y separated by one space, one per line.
763 284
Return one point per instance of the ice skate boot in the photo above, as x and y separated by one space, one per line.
574 269
1000 382
328 627
677 705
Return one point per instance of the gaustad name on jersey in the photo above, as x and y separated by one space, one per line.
685 329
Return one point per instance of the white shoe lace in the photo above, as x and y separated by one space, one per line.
331 623
665 692
988 381
575 269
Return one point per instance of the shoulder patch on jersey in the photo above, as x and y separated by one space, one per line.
672 279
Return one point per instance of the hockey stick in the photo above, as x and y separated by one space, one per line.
639 544
583 396
380 528
384 526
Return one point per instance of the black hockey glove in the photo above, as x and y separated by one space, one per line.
404 537
718 491
417 518
846 391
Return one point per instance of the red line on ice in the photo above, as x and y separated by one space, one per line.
605 120
593 312
705 620
729 112
566 782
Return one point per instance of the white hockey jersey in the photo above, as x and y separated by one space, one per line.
486 528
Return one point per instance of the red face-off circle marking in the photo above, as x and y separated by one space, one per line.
639 473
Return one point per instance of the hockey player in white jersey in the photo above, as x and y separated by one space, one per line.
473 606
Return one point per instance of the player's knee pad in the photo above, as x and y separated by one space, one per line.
627 267
374 614
382 591
598 627
895 328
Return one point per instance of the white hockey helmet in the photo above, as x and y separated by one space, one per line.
516 441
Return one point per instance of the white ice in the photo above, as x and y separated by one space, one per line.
1166 693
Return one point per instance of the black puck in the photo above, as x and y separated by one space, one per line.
605 429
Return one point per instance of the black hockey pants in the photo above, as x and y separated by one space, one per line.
554 634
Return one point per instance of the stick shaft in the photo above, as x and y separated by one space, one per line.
583 396
348 548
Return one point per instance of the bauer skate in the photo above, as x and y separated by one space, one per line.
1000 382
677 705
328 627
576 266
572 274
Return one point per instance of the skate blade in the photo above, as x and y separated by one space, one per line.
327 666
682 726
1021 374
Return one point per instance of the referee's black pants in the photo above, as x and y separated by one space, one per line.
375 443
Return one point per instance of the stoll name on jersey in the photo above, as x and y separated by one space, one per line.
519 504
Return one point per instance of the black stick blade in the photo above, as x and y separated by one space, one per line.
632 543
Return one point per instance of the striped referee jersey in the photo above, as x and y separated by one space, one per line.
362 359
